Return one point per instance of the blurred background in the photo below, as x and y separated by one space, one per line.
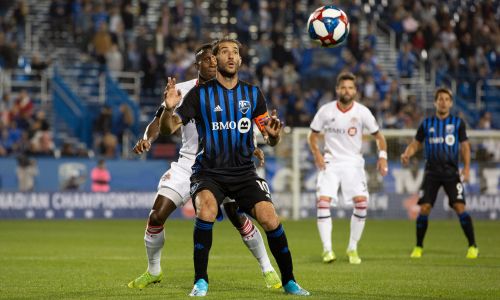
81 79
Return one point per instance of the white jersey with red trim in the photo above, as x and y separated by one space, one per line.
189 134
343 131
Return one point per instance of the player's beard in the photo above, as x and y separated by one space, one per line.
227 74
346 100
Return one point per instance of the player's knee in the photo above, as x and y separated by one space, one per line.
266 215
425 209
156 219
323 202
360 206
206 207
459 208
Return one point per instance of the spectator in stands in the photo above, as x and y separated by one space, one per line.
42 143
124 123
100 177
24 104
5 108
21 11
101 43
407 61
108 145
114 59
26 172
103 122
37 64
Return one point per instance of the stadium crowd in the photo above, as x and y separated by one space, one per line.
457 39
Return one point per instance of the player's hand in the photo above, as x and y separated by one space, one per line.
382 166
405 159
273 125
141 146
260 156
465 174
319 161
171 96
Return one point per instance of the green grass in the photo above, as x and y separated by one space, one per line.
96 259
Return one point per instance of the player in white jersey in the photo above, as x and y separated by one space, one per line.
342 123
173 188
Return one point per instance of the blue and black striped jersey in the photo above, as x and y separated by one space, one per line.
442 138
223 120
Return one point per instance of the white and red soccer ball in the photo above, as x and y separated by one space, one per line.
328 25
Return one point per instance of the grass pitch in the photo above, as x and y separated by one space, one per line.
96 259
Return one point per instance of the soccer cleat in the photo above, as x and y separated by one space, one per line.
272 279
200 288
329 256
472 252
144 280
294 288
353 257
417 252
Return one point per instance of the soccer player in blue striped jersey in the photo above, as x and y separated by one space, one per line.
174 186
223 110
444 137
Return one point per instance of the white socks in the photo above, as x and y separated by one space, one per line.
325 224
154 239
358 219
253 240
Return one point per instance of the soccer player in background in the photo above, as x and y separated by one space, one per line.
341 123
173 188
223 110
444 136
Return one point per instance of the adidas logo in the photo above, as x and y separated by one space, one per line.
217 108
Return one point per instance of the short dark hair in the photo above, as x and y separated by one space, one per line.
216 44
199 51
345 76
443 90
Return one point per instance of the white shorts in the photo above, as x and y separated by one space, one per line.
350 179
175 183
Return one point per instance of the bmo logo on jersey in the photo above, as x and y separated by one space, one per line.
244 125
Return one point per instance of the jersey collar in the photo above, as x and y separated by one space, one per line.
345 110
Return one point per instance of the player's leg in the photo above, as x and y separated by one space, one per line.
265 214
206 205
252 238
455 191
327 188
171 188
355 191
428 193
154 240
324 222
358 219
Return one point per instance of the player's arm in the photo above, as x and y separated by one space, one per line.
465 151
258 153
410 150
169 122
270 127
414 146
313 139
382 153
150 134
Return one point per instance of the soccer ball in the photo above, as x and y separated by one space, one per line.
328 25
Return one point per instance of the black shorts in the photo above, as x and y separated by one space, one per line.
246 190
430 186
